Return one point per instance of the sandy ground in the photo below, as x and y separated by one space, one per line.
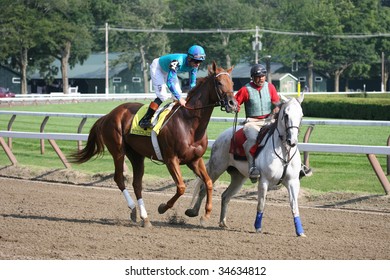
62 215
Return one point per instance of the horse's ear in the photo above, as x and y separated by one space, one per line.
283 98
212 69
301 97
230 69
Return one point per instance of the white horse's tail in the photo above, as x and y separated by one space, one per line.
195 195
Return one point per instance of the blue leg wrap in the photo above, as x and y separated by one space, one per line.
298 226
259 218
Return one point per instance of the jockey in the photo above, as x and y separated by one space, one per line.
163 71
261 100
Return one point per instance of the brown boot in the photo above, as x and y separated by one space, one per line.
145 122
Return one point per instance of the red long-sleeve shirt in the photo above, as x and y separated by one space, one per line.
242 95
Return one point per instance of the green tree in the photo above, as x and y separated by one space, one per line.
22 29
383 46
70 37
352 57
141 47
225 48
320 49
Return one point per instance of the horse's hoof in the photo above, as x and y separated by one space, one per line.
302 235
133 215
162 208
146 223
258 230
223 225
191 213
203 221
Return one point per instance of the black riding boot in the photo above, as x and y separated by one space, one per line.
145 121
305 171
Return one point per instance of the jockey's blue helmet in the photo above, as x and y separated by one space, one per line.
197 52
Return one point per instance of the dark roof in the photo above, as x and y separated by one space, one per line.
94 67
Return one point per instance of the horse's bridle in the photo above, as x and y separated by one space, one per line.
220 94
285 118
285 162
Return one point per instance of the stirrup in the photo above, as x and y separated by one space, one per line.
305 171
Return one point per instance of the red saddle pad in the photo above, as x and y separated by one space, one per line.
236 143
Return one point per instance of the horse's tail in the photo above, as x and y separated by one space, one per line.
94 145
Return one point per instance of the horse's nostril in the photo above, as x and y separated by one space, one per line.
290 143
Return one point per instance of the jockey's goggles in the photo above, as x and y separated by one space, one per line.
196 61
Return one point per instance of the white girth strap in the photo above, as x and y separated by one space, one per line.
155 145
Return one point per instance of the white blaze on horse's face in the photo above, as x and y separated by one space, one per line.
292 117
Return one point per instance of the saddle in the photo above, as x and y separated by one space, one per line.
239 138
157 120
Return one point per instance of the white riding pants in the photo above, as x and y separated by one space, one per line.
159 81
251 130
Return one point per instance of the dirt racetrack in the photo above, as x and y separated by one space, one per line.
44 220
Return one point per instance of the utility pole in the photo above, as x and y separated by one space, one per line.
257 45
107 77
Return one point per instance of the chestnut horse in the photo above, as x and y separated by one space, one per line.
182 139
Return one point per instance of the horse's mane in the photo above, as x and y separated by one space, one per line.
200 81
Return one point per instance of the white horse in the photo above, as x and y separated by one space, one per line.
279 162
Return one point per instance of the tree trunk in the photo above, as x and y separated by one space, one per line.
64 66
144 69
336 81
23 70
225 43
310 76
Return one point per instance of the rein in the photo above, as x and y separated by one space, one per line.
219 93
284 161
206 106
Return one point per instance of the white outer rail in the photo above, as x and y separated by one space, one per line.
308 147
215 119
370 151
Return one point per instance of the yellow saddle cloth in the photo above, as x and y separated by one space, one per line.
136 129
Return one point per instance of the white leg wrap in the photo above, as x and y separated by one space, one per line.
142 208
129 201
